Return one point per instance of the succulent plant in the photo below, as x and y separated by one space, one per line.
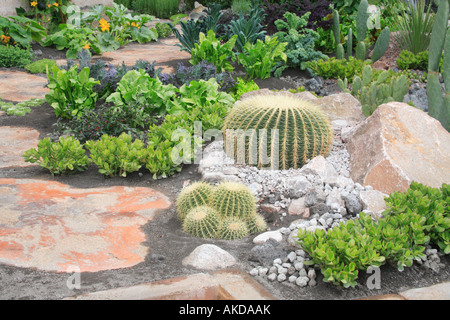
232 228
439 106
233 199
362 16
276 130
202 222
256 223
195 195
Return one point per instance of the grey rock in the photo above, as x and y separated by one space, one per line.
352 204
302 281
281 277
209 257
266 252
272 276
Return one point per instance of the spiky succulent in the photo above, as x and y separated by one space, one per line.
233 199
232 228
202 222
195 195
256 223
276 130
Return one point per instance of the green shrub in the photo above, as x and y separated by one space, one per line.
40 66
159 8
163 30
337 68
117 155
413 219
71 92
431 203
13 56
65 156
263 57
300 40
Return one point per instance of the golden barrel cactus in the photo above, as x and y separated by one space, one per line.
276 130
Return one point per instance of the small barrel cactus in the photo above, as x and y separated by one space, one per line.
202 222
233 228
233 199
195 195
256 224
276 130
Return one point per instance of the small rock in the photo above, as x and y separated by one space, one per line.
302 281
292 279
263 271
272 276
263 237
209 257
281 277
292 256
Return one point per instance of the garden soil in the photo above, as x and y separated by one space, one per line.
168 244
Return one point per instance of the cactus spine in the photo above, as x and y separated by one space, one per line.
195 195
202 222
361 30
233 199
290 130
233 228
439 107
372 93
226 211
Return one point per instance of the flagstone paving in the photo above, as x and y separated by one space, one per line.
50 226
14 141
20 86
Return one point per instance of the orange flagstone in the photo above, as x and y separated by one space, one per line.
50 226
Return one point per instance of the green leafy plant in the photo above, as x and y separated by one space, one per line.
242 86
117 155
70 92
20 30
190 29
211 50
431 203
247 28
14 56
74 39
21 108
62 157
263 57
414 27
163 30
337 68
439 107
300 40
137 87
198 95
40 66
291 118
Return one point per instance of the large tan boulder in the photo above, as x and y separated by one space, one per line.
399 144
341 106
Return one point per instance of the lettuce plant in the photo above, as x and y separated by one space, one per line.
71 92
263 57
64 156
198 95
137 87
210 49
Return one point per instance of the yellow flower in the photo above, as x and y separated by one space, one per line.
86 46
56 4
33 4
49 5
104 25
133 24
